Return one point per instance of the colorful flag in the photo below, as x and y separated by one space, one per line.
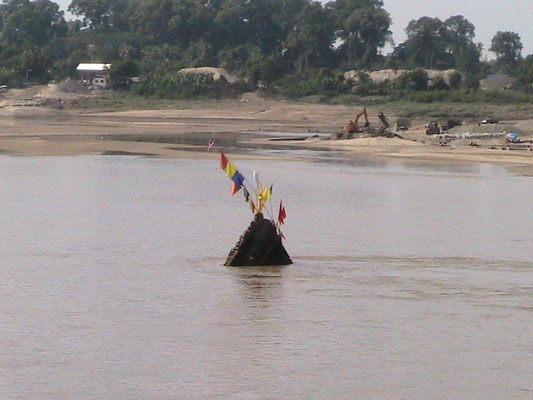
238 180
232 173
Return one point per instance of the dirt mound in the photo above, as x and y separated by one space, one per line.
525 126
496 82
488 128
392 74
64 89
23 94
217 73
250 96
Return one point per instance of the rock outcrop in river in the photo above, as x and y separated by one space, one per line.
259 245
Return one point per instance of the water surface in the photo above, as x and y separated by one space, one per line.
410 281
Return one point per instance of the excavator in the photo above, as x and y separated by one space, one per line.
353 126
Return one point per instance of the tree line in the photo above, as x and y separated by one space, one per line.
267 42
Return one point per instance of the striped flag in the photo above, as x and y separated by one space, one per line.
232 173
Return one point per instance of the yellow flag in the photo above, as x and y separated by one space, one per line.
266 194
230 170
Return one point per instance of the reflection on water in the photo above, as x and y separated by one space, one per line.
409 282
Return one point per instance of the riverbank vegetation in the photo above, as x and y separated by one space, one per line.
286 48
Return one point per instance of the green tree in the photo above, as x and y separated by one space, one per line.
508 49
28 24
310 44
95 12
427 43
122 71
363 28
525 74
460 37
27 30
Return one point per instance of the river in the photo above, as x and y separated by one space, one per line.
410 281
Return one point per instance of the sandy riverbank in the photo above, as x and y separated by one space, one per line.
28 128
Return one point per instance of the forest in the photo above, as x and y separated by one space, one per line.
291 48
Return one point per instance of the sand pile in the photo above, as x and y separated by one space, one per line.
64 89
23 94
392 74
525 126
496 82
250 96
489 128
217 73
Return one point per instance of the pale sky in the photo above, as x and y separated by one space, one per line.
488 16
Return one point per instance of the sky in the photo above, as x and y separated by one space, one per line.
488 16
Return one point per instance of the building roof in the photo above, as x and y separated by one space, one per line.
93 67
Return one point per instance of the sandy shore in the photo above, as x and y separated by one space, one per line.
32 131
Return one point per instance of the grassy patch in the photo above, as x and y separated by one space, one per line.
122 101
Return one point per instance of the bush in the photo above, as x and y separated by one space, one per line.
416 80
177 85
321 82
438 83
455 79
10 77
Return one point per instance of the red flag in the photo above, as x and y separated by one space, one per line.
282 214
282 235
235 188
223 161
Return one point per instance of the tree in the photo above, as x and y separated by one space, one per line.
122 71
310 44
363 29
525 74
26 30
427 43
95 12
508 49
460 36
28 24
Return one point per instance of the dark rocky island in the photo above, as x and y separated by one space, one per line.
259 245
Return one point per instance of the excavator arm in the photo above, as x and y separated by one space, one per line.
353 126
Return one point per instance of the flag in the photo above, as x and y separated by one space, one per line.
271 187
223 161
230 170
232 173
246 194
282 235
256 179
252 206
238 180
266 194
210 144
282 214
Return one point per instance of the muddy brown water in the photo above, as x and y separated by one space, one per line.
410 281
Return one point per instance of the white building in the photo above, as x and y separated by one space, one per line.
94 75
